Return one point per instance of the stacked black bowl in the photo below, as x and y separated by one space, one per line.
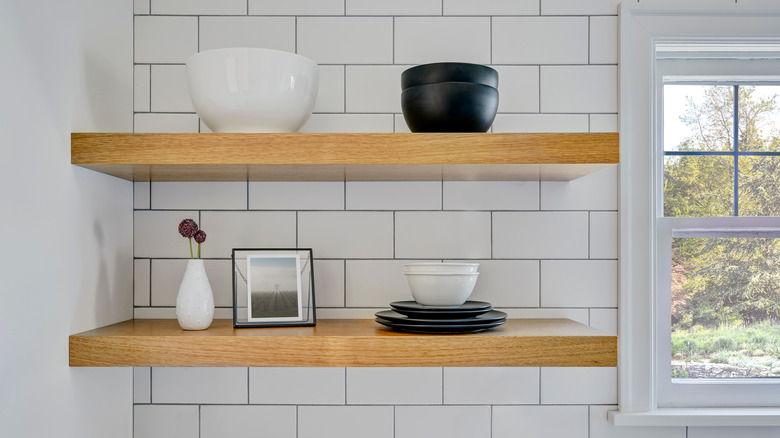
449 97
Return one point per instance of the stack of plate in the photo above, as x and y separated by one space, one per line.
469 317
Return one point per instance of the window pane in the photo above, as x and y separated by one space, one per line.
725 307
698 117
759 118
759 186
698 186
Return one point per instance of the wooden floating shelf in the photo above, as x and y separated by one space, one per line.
342 343
345 157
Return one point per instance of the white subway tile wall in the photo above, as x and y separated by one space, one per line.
546 250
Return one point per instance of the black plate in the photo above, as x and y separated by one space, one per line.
468 309
393 316
440 329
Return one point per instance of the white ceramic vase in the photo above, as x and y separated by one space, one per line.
195 302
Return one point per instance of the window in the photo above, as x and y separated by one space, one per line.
668 211
717 265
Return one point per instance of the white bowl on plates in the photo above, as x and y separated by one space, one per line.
452 268
440 288
252 90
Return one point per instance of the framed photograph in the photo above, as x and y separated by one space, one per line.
273 288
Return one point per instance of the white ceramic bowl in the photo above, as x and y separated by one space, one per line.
441 289
453 268
252 90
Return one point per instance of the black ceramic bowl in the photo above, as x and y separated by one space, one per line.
449 72
449 107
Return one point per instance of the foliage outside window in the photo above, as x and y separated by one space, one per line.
722 158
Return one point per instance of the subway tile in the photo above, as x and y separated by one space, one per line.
156 233
579 283
330 93
578 315
408 385
276 33
597 191
236 229
579 7
170 313
540 123
491 7
141 7
142 195
396 7
603 40
356 234
392 195
168 273
346 313
374 88
345 421
540 421
199 195
141 282
600 427
296 386
516 40
579 385
400 124
142 81
604 320
199 385
199 7
296 7
442 421
236 421
733 431
275 195
491 195
508 283
349 123
603 123
142 385
420 40
603 235
442 235
491 385
332 40
329 283
375 283
518 89
165 40
578 89
165 421
165 123
540 235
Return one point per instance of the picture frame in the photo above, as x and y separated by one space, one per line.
273 287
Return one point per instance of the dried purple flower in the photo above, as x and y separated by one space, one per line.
188 228
200 237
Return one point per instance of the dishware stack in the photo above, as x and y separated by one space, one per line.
449 97
441 292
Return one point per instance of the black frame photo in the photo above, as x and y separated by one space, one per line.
273 287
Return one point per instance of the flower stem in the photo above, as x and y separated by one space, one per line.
190 240
199 250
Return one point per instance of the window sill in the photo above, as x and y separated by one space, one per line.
698 417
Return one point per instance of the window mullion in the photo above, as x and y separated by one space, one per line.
735 119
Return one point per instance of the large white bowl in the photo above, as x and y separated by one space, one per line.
462 268
441 289
252 90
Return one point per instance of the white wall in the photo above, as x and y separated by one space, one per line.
65 232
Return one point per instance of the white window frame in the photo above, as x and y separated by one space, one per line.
642 26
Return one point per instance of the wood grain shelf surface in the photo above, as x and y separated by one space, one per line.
342 343
345 157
